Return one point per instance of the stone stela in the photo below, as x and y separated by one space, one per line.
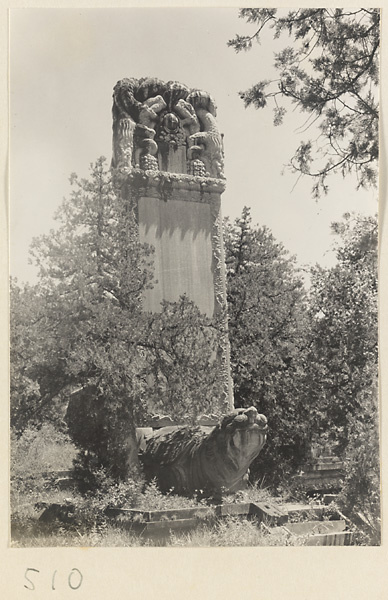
168 157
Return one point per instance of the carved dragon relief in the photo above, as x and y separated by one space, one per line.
150 116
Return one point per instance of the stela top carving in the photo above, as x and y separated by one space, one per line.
161 126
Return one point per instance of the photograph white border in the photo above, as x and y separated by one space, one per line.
194 573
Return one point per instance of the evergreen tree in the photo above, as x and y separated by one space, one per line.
343 366
344 347
268 335
81 332
330 72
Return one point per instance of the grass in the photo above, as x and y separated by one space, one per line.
233 532
45 450
229 532
92 529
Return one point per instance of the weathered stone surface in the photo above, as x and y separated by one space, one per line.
187 459
141 433
181 233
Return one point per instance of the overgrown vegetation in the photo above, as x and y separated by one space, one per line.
86 361
82 328
231 532
79 519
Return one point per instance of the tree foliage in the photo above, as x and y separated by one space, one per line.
331 73
25 391
268 332
360 494
83 327
92 271
343 366
187 380
308 361
344 346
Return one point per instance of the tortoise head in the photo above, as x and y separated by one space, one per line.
244 433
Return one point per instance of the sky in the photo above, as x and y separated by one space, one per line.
64 64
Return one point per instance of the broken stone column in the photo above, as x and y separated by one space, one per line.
168 153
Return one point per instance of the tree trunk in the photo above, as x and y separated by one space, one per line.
123 448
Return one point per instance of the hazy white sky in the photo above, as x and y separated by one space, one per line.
63 66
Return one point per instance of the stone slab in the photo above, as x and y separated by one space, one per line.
321 474
343 538
315 527
270 513
181 233
328 498
326 466
231 510
136 515
301 510
266 511
157 527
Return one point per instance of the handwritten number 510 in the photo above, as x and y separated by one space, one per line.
74 579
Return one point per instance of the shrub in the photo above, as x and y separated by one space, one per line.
34 453
360 495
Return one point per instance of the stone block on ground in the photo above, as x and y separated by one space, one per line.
299 510
269 513
342 538
164 527
327 466
233 510
263 511
329 498
315 527
159 524
138 515
64 513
